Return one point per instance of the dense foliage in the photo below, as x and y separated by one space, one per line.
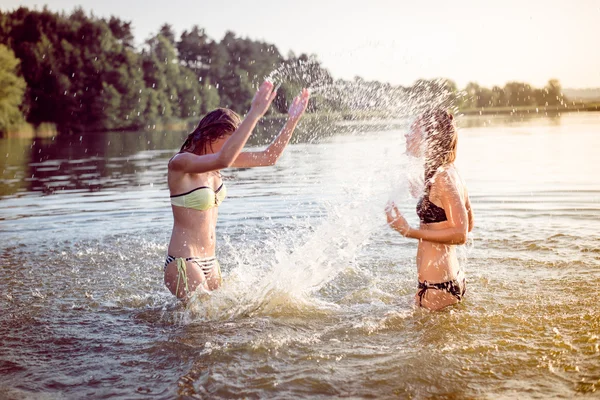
12 89
84 73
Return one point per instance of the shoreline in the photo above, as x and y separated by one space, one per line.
594 107
47 130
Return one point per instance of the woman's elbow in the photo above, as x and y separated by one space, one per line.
461 237
224 162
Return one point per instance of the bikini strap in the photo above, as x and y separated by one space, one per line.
181 272
422 289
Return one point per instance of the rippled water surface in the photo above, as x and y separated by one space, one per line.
318 293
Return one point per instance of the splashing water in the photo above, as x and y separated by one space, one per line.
285 273
360 98
316 287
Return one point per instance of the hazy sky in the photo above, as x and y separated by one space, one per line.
489 42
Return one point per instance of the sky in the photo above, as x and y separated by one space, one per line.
396 41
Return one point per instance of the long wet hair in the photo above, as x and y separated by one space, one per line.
216 124
441 141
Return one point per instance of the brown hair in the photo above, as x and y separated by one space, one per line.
213 126
441 141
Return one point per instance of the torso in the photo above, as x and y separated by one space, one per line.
438 262
193 230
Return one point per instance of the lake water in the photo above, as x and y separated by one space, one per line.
318 292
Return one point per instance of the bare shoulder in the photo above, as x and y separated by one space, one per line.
447 179
178 161
448 184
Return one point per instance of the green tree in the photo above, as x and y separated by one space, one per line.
166 31
12 89
551 94
477 96
196 51
79 75
519 94
472 91
122 31
498 97
237 66
210 98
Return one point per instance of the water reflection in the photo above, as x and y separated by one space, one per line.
97 161
101 160
524 119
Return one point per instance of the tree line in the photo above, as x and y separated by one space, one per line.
84 73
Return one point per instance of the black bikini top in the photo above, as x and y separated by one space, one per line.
430 213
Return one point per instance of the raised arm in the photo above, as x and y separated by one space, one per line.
456 213
193 163
271 154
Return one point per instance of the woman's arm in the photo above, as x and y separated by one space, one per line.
271 154
469 213
192 163
455 210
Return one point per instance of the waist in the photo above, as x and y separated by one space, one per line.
457 277
192 242
436 262
435 226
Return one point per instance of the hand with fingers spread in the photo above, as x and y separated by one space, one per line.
262 99
271 154
298 106
396 220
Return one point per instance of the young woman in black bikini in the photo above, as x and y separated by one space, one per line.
444 210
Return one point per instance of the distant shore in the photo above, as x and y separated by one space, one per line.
48 130
530 109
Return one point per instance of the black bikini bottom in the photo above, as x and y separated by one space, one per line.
455 287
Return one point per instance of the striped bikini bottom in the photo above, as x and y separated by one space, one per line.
206 264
